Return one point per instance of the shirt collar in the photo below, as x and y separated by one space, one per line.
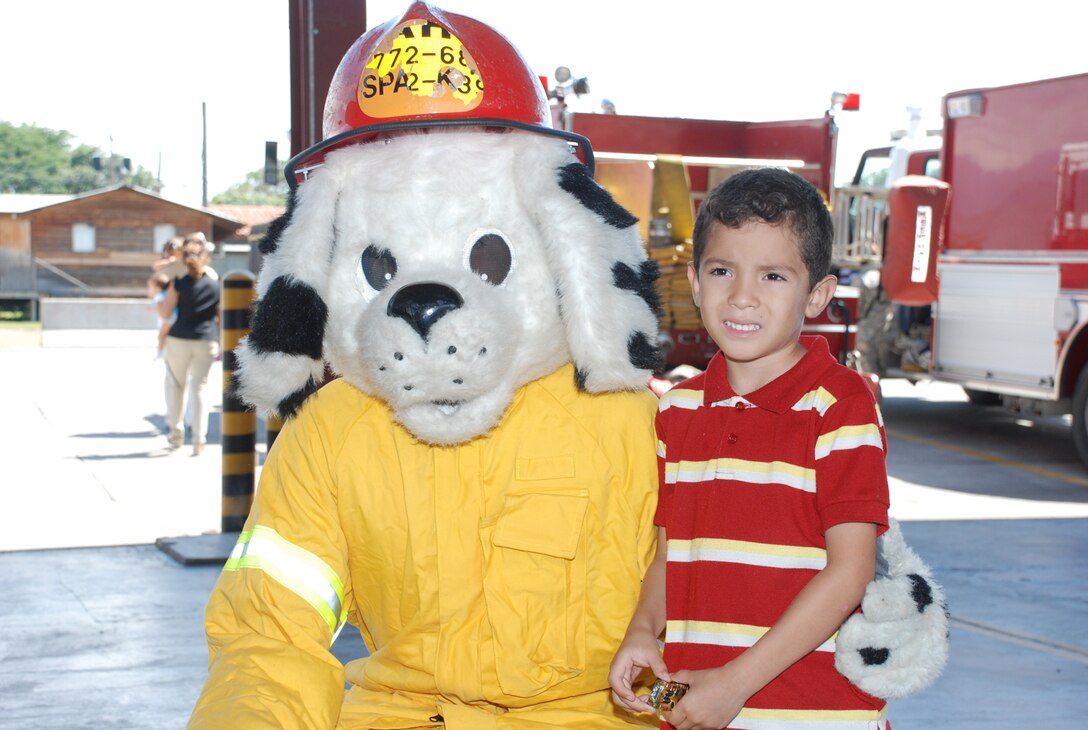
779 395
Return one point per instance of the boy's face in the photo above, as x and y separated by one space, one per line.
752 291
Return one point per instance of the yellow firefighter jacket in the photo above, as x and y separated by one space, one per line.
492 581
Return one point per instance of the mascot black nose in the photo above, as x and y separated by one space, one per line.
423 304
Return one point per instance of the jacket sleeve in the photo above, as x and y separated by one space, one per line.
282 597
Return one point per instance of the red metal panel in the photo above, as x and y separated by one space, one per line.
1074 278
1071 216
661 135
810 140
1003 163
321 32
909 270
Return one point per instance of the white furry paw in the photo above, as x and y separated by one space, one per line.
898 645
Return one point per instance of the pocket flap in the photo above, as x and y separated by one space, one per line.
542 523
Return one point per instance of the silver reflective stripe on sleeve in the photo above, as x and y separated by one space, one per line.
298 570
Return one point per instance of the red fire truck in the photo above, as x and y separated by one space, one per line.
996 298
661 168
979 278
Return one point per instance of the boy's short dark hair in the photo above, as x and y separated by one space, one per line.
774 196
173 246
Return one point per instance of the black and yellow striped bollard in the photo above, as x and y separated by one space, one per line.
239 425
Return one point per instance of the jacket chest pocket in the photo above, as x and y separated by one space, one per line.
535 590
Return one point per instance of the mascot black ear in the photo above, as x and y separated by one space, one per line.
280 362
607 299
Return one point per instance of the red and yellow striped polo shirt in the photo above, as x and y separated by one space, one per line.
749 485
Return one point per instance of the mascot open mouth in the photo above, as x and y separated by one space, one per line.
449 386
448 407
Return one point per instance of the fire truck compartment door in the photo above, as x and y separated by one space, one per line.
916 211
995 323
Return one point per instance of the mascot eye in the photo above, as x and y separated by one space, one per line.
489 256
378 267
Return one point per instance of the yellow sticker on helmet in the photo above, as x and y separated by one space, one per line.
420 68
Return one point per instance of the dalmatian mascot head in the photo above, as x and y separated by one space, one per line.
444 245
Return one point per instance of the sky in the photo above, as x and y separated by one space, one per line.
136 76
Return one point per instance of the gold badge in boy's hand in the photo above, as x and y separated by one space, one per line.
664 695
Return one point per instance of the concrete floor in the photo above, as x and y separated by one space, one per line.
1018 594
110 636
105 638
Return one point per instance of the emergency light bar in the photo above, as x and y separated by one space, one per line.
845 101
968 105
706 161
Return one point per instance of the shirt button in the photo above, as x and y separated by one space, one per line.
732 438
741 406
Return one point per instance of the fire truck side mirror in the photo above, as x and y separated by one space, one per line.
915 235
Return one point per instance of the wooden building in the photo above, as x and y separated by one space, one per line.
100 243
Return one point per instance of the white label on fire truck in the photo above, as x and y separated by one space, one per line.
923 225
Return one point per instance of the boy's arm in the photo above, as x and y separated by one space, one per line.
173 267
639 648
717 695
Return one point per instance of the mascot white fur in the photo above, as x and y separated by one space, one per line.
475 490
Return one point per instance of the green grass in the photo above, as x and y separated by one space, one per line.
20 334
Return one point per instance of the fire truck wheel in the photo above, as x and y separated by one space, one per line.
982 397
1080 417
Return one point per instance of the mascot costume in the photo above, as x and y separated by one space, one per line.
475 489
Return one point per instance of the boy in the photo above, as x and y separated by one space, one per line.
157 286
773 483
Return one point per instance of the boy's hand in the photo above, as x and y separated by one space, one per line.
637 652
712 702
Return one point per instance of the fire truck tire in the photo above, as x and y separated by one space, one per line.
982 397
1080 416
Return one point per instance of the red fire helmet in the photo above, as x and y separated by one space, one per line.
430 68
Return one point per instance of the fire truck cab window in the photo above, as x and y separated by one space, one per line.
874 171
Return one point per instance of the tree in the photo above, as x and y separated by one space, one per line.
254 191
40 160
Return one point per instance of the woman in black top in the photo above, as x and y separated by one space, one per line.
192 343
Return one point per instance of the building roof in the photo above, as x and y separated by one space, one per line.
18 203
251 215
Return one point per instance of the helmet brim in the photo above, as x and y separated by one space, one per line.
299 167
